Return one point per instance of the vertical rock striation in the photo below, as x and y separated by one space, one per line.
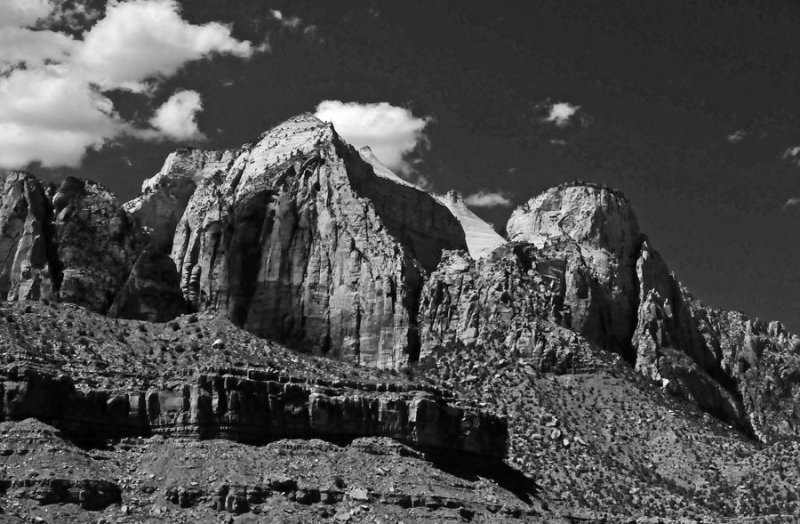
599 222
299 241
25 272
481 237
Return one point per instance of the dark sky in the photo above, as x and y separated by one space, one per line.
660 86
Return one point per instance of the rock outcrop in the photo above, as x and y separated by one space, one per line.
73 478
605 232
577 264
25 272
255 406
164 196
300 242
513 300
481 237
94 241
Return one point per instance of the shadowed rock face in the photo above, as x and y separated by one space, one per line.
152 290
95 244
299 241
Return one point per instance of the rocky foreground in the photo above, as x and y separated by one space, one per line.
290 332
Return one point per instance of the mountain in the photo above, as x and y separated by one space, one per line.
295 303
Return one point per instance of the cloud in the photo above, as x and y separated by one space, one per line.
485 198
391 132
561 113
53 86
792 155
177 117
737 136
292 22
52 119
24 13
146 39
792 202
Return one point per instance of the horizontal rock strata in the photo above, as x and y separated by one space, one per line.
253 406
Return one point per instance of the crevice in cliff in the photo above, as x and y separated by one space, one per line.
411 303
51 242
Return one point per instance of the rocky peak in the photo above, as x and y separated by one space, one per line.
299 238
590 214
481 237
380 168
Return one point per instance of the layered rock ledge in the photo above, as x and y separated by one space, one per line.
255 406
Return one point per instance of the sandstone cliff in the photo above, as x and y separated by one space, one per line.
25 257
577 263
299 241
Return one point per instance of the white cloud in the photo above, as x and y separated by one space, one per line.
177 118
561 113
391 132
33 49
292 22
145 39
484 198
737 136
792 202
792 155
23 13
52 102
52 119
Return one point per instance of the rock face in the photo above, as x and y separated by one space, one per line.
481 237
152 291
255 406
300 242
578 264
25 272
603 228
513 300
164 196
95 244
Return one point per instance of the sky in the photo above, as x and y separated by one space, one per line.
691 108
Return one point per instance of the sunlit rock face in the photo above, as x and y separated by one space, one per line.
300 241
481 237
25 271
601 224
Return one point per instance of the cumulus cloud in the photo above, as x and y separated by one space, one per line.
177 118
53 102
146 39
485 198
52 118
24 13
792 202
391 132
561 113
